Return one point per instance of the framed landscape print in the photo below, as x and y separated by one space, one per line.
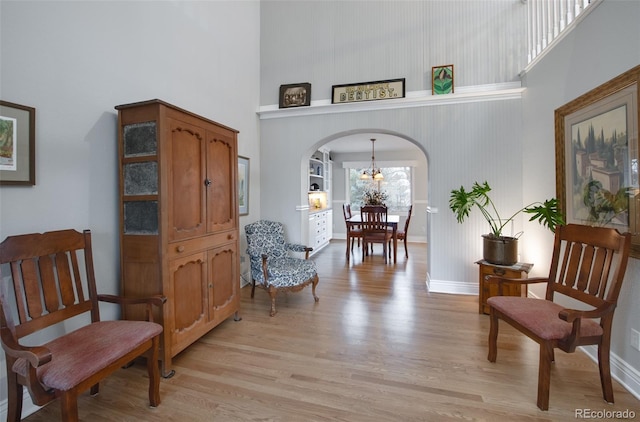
243 185
597 178
17 144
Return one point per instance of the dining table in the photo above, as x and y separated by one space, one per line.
392 222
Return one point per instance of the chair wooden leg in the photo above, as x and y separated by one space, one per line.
406 251
253 287
493 336
69 406
154 373
544 375
14 397
605 372
314 283
272 294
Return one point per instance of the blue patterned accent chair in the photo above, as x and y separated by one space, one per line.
272 266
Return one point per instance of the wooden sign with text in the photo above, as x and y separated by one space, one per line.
368 91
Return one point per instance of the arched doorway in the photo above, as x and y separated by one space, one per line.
353 148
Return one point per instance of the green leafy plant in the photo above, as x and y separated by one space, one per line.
462 201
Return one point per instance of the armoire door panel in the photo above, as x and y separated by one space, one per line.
189 301
221 162
187 181
223 281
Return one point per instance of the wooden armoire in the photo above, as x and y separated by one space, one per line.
178 219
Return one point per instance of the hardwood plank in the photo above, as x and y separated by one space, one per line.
378 346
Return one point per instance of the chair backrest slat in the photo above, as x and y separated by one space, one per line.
67 293
31 288
585 275
48 280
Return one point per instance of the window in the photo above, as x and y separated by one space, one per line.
397 184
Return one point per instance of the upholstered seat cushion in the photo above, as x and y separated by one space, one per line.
541 317
83 352
285 271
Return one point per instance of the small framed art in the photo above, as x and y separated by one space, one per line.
243 185
295 95
442 79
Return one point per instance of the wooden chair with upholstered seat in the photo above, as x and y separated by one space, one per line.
272 267
375 229
355 232
588 265
401 234
50 279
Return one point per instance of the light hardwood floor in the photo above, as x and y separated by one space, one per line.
377 347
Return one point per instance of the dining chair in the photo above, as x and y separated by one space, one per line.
401 234
588 266
354 231
375 229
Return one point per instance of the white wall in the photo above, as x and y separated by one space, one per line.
75 61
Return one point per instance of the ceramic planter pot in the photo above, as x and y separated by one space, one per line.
500 250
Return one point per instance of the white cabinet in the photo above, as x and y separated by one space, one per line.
320 214
320 229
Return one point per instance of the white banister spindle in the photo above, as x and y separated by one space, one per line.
538 28
547 19
556 18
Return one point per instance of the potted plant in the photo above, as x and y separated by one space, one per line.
499 249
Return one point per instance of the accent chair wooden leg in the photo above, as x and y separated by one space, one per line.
493 336
272 293
314 283
14 397
544 375
69 406
605 372
253 287
406 251
154 372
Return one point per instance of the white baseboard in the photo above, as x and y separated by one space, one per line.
452 287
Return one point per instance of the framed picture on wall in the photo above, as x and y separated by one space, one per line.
597 175
17 144
442 79
243 185
295 95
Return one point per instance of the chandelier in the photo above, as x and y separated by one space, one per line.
373 173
